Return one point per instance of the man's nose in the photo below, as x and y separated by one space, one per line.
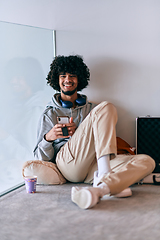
68 78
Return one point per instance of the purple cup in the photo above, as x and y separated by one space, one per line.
30 183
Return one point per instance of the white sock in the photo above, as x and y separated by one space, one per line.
104 164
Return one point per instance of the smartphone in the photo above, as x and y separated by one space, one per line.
63 120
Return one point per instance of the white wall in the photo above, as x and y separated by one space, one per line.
120 42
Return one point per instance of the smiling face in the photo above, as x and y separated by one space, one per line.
68 83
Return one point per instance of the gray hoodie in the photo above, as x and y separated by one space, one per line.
47 151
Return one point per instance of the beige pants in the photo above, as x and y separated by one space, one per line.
95 137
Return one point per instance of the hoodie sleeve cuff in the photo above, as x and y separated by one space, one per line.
46 145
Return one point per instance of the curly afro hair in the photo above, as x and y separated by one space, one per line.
70 64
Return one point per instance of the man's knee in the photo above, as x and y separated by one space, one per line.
146 160
105 108
150 161
103 105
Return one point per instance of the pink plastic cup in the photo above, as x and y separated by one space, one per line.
30 183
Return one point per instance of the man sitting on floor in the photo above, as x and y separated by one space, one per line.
91 139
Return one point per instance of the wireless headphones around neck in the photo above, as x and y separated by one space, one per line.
67 104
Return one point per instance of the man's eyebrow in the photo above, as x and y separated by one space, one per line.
62 74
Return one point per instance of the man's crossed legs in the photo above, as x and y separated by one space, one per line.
92 145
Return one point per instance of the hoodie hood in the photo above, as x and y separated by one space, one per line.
56 103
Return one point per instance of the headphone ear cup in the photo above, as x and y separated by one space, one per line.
67 104
81 101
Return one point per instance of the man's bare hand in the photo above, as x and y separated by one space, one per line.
56 131
71 126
